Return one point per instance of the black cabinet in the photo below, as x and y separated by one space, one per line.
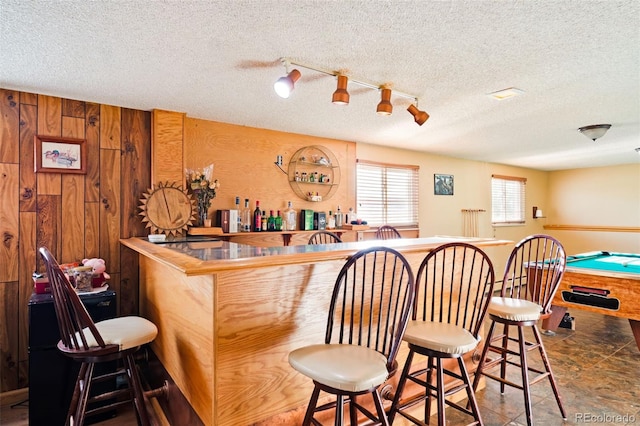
52 375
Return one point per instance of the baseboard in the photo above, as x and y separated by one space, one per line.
14 397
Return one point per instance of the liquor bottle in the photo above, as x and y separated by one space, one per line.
264 221
257 218
278 221
339 218
350 216
271 221
239 214
291 218
246 217
331 221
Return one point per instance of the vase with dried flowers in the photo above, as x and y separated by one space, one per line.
204 189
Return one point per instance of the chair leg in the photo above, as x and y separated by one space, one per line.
547 366
470 393
503 355
353 412
71 413
382 416
440 391
525 375
401 382
138 393
85 388
483 357
312 406
339 410
429 378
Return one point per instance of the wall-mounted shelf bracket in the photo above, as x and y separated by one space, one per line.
280 167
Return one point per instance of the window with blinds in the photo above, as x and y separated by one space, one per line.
387 194
507 200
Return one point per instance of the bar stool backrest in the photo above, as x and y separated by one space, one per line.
324 237
534 270
387 232
371 301
454 285
73 318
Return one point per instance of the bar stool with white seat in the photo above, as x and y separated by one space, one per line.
85 341
453 289
368 313
532 275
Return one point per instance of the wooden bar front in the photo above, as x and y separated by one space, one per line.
229 314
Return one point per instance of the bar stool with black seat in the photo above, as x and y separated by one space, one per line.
85 341
324 237
368 313
532 275
453 288
387 232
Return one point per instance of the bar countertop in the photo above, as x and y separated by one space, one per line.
204 256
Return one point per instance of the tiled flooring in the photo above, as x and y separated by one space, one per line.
597 368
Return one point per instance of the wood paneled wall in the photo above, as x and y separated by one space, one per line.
75 216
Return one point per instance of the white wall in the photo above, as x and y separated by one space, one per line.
599 196
441 214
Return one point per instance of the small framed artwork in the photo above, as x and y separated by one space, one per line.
60 155
442 184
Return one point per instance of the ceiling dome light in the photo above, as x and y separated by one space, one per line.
284 86
595 131
419 116
341 96
385 107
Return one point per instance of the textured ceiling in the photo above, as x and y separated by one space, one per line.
577 62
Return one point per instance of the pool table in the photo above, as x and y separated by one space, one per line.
603 282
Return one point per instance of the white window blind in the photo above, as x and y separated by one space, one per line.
507 200
387 194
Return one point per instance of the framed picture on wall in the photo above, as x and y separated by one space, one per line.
442 184
59 155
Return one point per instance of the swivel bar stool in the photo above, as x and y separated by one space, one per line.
85 341
368 314
531 278
453 289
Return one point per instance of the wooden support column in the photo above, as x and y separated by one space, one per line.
167 150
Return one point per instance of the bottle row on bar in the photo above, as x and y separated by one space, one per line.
256 219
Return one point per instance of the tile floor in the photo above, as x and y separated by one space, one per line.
597 367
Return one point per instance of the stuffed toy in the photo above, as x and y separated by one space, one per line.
99 271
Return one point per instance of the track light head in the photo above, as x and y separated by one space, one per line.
385 107
420 117
284 86
341 96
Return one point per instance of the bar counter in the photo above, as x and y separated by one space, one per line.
229 314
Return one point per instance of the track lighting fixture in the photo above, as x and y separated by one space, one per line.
341 96
419 116
594 131
284 86
385 107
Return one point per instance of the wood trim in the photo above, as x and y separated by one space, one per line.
395 165
596 228
504 177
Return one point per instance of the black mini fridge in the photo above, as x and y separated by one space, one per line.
52 375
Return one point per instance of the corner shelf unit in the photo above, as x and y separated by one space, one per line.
314 159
